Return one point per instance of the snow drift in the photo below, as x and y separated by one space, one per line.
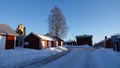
20 56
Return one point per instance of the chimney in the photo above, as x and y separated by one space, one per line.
105 37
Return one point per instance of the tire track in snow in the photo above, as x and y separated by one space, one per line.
47 60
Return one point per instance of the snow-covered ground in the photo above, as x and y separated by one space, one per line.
106 58
20 56
86 57
79 57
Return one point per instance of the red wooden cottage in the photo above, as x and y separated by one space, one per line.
106 43
7 37
84 39
38 41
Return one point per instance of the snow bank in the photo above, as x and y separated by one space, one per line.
20 56
58 49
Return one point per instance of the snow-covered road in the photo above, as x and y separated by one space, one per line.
77 58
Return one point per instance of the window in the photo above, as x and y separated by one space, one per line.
26 43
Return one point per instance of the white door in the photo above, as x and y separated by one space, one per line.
49 43
2 42
43 44
56 43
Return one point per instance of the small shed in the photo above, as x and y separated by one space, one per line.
7 37
84 39
38 41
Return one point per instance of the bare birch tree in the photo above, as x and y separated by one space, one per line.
56 23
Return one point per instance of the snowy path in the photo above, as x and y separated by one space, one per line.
77 58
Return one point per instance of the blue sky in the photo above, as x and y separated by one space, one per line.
96 17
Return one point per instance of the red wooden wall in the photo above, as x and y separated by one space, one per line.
10 42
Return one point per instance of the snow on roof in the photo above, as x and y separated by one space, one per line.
83 36
7 30
44 37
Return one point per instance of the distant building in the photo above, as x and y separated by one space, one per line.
7 37
84 39
106 43
70 42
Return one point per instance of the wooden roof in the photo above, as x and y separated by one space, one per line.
84 36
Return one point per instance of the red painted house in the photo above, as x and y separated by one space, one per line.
84 39
7 37
38 41
106 43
